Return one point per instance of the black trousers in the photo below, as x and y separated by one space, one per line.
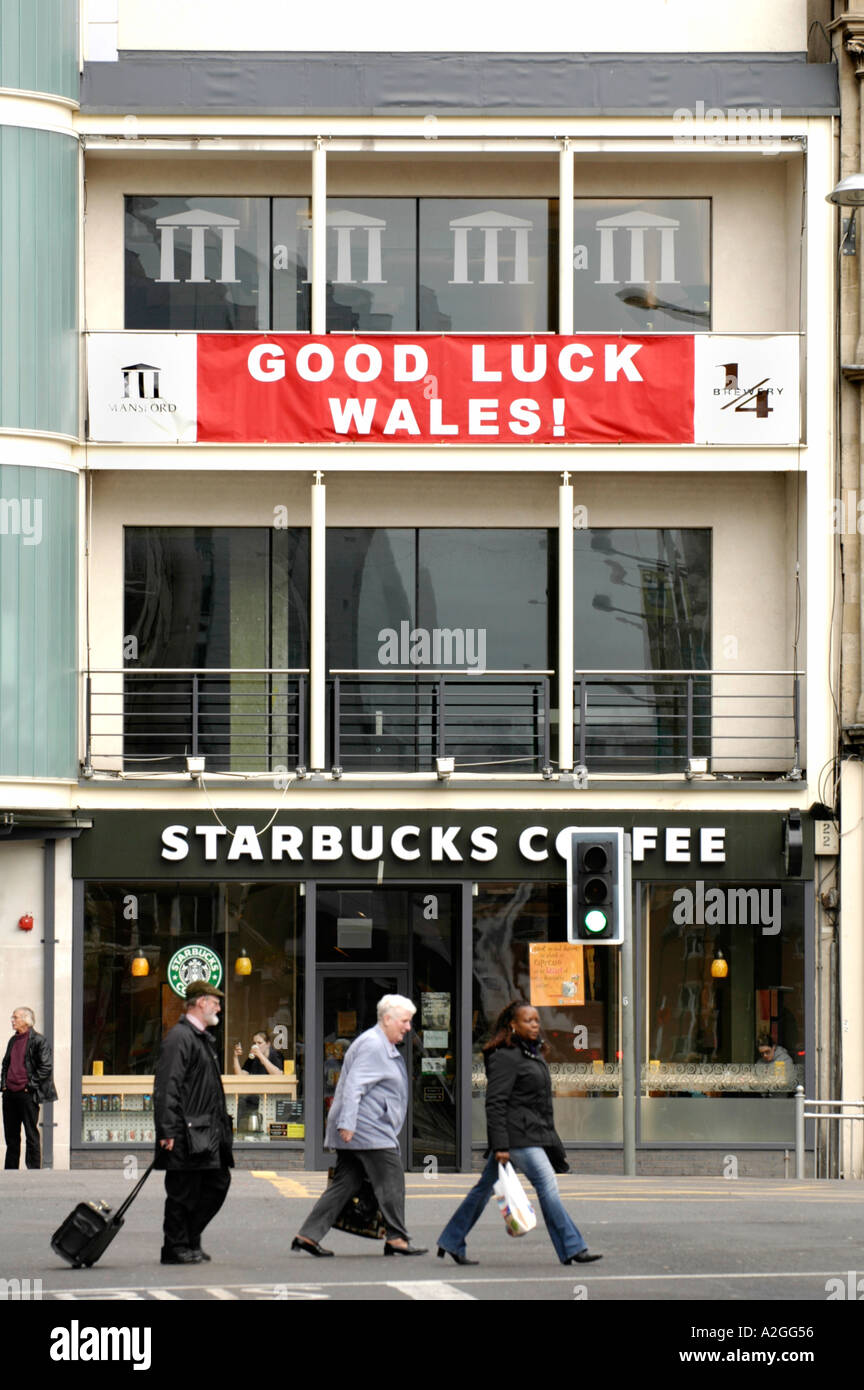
20 1108
383 1168
192 1199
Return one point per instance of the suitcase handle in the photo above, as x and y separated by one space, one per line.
132 1195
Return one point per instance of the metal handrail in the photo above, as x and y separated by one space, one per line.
802 1114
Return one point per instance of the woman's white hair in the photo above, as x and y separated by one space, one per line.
391 1002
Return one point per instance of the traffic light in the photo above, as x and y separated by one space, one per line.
595 899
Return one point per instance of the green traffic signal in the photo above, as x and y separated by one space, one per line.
595 920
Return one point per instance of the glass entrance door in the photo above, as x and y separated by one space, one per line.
347 1001
393 939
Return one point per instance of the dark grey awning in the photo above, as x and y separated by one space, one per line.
571 84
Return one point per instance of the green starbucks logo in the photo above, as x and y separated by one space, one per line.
193 963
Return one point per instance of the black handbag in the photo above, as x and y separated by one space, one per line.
360 1215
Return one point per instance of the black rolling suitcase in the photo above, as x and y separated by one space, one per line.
88 1230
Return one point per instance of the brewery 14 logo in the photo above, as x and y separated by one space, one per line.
193 963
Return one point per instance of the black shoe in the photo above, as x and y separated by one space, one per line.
203 1254
310 1246
583 1258
180 1257
459 1259
408 1249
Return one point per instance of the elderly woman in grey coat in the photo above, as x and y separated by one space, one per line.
363 1126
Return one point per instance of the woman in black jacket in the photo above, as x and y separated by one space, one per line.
521 1131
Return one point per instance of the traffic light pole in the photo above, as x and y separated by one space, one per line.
628 1024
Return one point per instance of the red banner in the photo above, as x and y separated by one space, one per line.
540 389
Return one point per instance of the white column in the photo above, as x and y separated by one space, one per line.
373 257
667 256
566 239
637 255
197 276
565 625
607 257
166 256
520 257
460 256
343 256
490 256
317 598
229 244
319 239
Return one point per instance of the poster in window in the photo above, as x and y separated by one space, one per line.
557 973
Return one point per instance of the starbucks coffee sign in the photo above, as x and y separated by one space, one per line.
192 963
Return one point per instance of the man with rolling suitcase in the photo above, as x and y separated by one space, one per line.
193 1129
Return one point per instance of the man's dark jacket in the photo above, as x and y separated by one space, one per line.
189 1103
38 1065
519 1100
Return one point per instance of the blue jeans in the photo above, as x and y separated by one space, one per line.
534 1163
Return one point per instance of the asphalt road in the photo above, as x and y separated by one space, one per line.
716 1253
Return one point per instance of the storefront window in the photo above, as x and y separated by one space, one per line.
705 1077
584 1039
642 265
484 265
429 602
209 600
642 603
198 263
247 939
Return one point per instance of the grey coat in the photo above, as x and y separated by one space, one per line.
371 1095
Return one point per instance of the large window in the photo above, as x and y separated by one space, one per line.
198 263
642 265
428 632
393 264
216 624
724 1026
583 1039
642 602
178 931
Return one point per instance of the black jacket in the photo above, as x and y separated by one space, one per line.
189 1103
38 1065
519 1100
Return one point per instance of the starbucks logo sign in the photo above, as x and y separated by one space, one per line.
193 963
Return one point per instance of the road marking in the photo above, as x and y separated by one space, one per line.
431 1290
290 1187
282 1290
221 1293
164 1294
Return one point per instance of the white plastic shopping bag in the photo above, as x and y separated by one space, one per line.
513 1204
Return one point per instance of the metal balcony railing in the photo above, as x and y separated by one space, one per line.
247 720
401 721
741 723
238 719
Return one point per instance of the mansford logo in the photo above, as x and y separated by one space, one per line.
141 393
193 963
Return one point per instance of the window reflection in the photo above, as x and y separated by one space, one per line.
197 263
643 265
583 1039
484 265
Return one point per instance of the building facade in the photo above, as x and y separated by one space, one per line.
432 455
